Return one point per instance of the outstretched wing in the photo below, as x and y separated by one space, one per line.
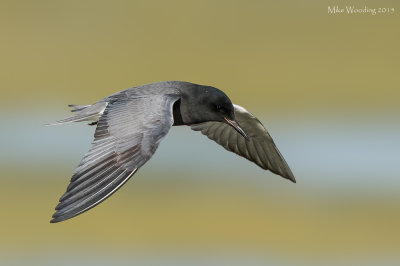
127 135
260 148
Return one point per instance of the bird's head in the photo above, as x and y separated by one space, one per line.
206 103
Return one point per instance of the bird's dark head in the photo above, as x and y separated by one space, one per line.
205 103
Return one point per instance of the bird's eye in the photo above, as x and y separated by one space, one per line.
221 109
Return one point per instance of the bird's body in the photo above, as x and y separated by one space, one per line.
131 124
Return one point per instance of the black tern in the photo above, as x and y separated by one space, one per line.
131 124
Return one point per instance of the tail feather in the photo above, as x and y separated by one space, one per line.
77 118
77 108
86 113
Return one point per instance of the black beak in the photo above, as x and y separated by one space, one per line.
236 126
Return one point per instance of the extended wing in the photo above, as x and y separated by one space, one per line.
260 148
127 135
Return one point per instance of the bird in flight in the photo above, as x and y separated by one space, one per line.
131 123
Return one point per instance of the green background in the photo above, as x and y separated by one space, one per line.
325 86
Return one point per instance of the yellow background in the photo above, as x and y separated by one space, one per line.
326 86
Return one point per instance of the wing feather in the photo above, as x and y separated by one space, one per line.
260 149
126 137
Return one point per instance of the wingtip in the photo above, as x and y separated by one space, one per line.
283 172
54 220
286 174
289 176
57 217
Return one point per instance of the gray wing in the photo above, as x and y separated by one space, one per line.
260 149
127 135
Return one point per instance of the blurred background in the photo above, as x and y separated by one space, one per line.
325 86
